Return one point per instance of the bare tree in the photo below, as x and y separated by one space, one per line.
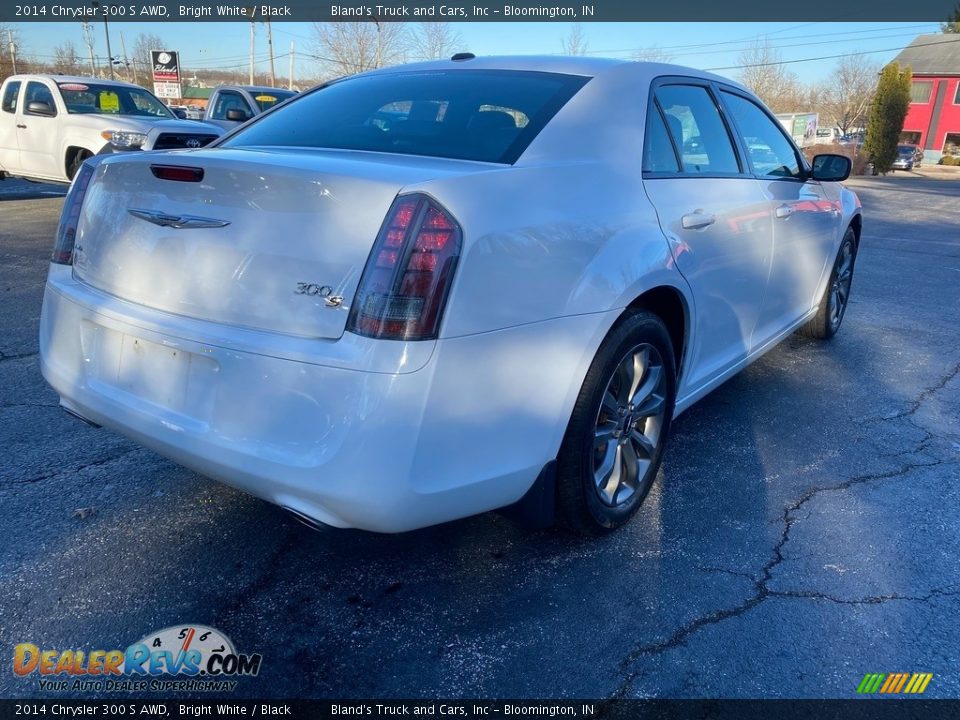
345 48
66 60
434 40
652 54
762 71
142 46
576 42
846 97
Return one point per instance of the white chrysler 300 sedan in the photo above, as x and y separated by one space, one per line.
434 290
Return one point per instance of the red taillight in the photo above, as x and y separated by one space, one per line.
70 216
404 286
179 173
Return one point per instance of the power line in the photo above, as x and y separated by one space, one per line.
830 57
747 41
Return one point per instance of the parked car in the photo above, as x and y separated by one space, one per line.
908 157
501 298
50 124
232 105
194 112
179 112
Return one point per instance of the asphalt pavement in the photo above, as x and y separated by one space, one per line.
802 533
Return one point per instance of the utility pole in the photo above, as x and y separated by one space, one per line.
88 40
126 61
253 41
13 50
106 30
273 74
292 53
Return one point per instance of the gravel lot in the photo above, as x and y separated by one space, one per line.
803 531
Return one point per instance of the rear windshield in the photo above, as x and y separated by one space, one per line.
491 116
267 100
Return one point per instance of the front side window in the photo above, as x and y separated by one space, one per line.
10 95
768 150
698 131
38 92
485 115
920 91
229 100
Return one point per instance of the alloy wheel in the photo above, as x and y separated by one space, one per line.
628 427
840 287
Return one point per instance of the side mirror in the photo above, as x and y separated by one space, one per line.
38 107
831 168
237 115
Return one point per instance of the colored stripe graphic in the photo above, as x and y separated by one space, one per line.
894 683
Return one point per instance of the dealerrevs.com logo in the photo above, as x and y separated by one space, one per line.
183 657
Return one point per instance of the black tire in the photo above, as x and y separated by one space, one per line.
77 161
826 322
582 505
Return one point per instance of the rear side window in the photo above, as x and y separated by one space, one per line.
10 95
697 129
768 149
658 155
491 116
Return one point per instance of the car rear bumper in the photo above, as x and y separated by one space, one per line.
381 436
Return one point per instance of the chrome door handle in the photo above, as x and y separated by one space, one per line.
784 211
697 220
22 127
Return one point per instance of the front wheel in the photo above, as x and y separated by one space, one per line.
833 302
614 443
78 159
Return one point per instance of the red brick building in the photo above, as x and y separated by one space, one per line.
933 120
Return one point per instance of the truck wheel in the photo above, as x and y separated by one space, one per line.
77 161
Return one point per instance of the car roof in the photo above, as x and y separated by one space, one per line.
73 79
252 88
568 65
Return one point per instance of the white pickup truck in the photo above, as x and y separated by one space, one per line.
231 105
50 124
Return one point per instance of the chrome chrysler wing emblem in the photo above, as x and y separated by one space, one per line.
180 222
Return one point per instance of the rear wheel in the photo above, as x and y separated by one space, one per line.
833 303
614 442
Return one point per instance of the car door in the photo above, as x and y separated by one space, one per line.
716 218
38 134
806 218
9 146
225 101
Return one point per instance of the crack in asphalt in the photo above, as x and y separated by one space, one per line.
79 468
947 591
17 356
927 394
762 591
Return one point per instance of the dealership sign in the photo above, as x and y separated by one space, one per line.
166 73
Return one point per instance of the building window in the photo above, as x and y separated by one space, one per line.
951 144
956 98
910 137
920 91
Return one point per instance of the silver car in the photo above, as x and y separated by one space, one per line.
430 291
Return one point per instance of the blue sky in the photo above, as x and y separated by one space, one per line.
701 45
